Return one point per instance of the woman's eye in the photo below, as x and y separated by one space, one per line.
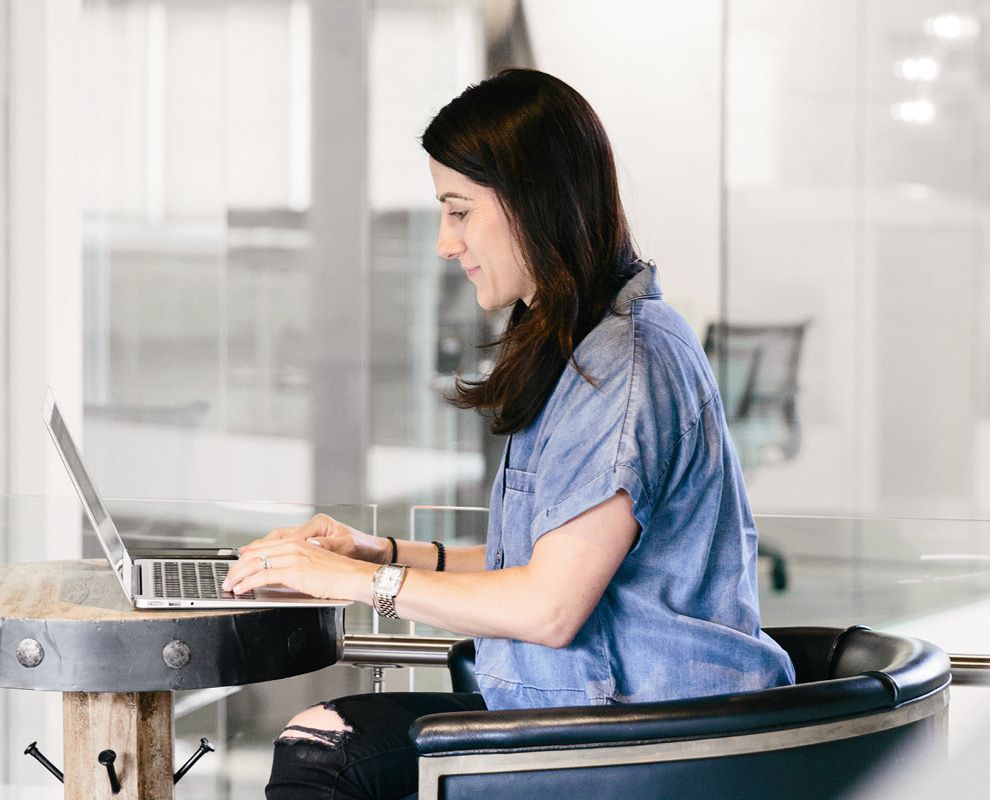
458 214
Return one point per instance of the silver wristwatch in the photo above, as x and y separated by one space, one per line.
388 580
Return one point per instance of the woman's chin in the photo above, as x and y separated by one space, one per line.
486 301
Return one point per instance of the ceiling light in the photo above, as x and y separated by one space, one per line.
952 26
916 111
917 69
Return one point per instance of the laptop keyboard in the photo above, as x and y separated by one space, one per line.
192 580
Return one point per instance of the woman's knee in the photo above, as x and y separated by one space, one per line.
320 723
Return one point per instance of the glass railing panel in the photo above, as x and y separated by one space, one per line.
923 577
454 526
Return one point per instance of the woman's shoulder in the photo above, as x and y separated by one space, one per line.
646 327
640 316
659 326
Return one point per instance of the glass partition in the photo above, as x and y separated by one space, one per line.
249 301
264 309
922 577
856 138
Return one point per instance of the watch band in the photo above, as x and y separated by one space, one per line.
383 600
385 606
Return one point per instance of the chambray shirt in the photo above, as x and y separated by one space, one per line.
680 617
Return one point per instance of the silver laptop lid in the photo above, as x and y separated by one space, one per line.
97 512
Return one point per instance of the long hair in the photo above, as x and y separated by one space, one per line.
542 149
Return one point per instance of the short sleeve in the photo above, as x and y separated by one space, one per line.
623 430
576 463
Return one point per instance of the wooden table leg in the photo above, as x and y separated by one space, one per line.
137 726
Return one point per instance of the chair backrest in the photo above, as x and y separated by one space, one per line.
889 670
756 367
908 668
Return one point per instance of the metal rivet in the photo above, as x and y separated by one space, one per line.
176 654
30 653
297 642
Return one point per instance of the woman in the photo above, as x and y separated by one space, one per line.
621 551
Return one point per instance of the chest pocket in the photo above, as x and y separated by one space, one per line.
517 518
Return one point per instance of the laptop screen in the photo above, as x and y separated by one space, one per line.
90 497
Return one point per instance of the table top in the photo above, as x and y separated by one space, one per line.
72 590
67 626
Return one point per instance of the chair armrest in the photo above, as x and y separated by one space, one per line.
912 668
783 707
460 665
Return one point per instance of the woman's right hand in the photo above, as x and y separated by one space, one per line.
330 534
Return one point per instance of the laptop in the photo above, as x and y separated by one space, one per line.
175 578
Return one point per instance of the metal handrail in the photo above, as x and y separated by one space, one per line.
970 670
398 651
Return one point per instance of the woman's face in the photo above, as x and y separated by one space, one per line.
475 230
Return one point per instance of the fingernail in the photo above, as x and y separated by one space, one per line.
225 586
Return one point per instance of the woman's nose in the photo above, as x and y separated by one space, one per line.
448 245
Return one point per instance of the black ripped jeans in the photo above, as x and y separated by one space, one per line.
375 760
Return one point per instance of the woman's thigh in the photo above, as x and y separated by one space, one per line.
357 746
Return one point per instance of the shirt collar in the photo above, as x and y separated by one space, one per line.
644 283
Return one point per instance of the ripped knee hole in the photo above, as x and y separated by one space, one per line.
322 724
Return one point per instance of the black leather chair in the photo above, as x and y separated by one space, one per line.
863 701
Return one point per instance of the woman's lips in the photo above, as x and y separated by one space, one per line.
470 271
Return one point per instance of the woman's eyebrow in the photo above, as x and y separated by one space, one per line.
448 195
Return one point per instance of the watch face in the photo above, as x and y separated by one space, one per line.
389 580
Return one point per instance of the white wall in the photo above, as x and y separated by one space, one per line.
44 270
793 217
869 227
420 56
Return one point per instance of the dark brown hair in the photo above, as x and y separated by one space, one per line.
542 149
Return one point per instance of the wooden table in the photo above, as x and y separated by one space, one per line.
66 626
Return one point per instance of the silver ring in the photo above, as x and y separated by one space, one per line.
266 562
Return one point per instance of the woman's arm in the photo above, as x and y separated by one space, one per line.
423 555
545 602
335 536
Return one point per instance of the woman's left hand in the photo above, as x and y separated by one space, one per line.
299 565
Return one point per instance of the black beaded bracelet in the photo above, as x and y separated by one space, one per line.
395 551
441 556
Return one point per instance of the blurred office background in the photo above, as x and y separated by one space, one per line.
217 243
219 230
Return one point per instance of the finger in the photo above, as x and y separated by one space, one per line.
261 546
323 542
263 577
240 569
275 575
281 533
320 525
252 560
265 541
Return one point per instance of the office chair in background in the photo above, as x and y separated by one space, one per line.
756 367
